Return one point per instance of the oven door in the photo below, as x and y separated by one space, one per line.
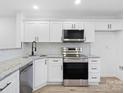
75 70
73 35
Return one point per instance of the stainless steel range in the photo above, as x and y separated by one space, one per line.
75 72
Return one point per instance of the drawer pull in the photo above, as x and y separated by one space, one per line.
1 89
94 60
94 77
61 67
55 60
94 68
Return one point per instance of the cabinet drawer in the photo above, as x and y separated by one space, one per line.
10 84
55 60
94 60
94 67
94 77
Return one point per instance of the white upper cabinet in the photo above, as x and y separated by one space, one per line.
116 26
73 25
108 26
55 31
19 29
36 31
7 32
89 31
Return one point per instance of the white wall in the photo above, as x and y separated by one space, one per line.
108 46
8 38
9 54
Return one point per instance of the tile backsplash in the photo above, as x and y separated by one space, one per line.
55 48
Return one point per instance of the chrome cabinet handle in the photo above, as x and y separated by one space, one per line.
61 67
55 60
72 25
1 89
94 68
94 77
108 26
45 62
94 60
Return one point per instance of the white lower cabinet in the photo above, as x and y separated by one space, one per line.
10 84
55 70
39 73
94 71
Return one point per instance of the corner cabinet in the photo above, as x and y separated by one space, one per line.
39 73
89 31
36 31
55 70
10 84
56 31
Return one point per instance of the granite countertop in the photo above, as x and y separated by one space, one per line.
9 66
54 56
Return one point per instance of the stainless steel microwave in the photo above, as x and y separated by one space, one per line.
73 35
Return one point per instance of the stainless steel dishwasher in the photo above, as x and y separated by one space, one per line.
26 78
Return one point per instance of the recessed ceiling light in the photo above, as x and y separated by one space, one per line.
35 7
77 2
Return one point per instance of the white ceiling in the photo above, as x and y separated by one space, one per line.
63 8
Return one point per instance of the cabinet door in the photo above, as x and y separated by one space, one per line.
79 25
101 26
55 32
39 73
116 26
68 25
36 31
55 71
73 25
10 84
30 29
42 31
89 31
7 33
108 26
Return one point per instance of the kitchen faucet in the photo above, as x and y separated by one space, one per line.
34 48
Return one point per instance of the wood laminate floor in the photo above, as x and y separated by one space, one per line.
107 85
